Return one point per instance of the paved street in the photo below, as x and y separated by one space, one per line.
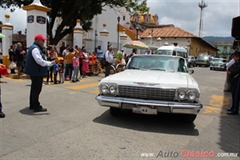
76 127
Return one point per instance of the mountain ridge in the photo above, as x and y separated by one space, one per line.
211 39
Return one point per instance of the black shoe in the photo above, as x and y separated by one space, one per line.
73 81
31 107
40 109
2 115
232 113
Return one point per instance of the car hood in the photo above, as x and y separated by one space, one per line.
161 79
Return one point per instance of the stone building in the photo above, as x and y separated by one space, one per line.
170 35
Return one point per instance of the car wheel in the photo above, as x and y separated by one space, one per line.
115 111
210 68
96 72
112 70
188 118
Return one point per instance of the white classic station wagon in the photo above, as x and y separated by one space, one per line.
151 84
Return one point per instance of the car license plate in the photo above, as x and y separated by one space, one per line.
144 110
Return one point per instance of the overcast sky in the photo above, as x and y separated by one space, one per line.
185 14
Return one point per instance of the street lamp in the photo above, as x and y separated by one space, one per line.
137 28
118 19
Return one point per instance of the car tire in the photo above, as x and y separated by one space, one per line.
188 118
115 111
210 68
112 70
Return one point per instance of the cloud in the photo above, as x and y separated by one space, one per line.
17 19
217 16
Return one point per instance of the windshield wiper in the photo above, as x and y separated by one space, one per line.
158 69
170 70
133 68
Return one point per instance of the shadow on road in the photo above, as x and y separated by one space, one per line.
162 123
29 112
229 129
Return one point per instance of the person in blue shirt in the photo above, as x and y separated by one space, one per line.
99 52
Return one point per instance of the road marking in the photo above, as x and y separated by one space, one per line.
83 86
17 80
96 92
216 105
86 80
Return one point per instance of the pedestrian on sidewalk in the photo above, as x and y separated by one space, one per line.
81 61
52 55
227 85
69 63
234 73
109 59
11 53
2 115
61 70
75 67
85 67
36 67
20 58
55 71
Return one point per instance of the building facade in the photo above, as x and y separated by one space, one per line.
174 35
225 49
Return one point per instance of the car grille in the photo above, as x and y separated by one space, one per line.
146 93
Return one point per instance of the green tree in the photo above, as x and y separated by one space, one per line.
71 10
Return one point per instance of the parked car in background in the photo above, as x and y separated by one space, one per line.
191 61
203 60
151 84
218 64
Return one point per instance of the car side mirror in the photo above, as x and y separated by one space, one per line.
191 71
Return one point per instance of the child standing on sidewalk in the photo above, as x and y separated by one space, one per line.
55 71
61 70
75 67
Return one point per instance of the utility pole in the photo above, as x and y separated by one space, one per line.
201 5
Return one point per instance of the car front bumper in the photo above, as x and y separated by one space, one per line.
161 106
218 67
202 63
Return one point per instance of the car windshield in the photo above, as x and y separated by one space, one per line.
161 63
164 52
219 60
202 57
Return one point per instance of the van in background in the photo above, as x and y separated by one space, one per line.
172 51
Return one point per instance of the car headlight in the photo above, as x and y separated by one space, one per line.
108 88
192 95
181 94
187 94
113 89
104 89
